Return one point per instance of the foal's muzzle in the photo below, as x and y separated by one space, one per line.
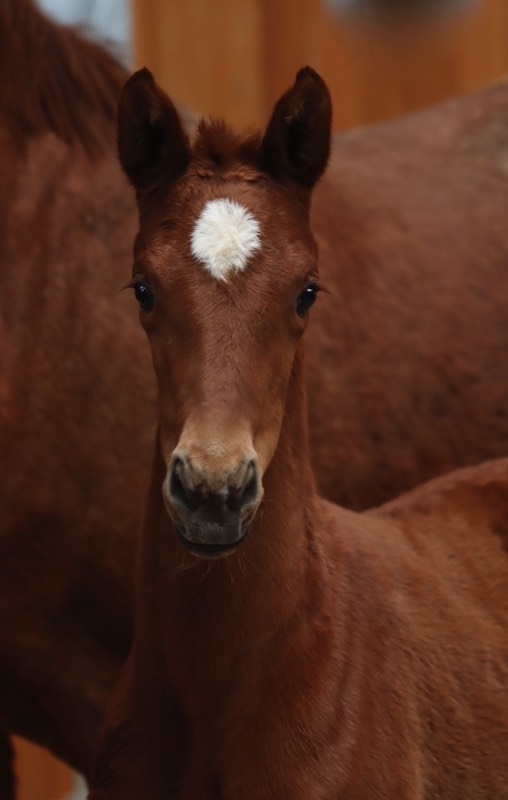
212 513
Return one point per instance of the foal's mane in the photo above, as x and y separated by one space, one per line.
52 79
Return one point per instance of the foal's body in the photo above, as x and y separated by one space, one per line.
330 655
382 674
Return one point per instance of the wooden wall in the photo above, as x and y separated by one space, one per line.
234 57
40 776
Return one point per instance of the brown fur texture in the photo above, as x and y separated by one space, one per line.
68 347
52 78
329 654
408 347
404 352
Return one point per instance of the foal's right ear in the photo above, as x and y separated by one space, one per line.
151 140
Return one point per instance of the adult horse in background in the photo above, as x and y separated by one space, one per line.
68 352
408 350
284 647
403 370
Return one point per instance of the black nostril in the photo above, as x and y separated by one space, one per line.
180 494
194 498
250 491
176 487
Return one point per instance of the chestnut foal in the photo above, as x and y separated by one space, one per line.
331 654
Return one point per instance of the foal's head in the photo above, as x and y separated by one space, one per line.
224 273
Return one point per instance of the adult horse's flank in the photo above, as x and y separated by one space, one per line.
404 352
71 393
331 654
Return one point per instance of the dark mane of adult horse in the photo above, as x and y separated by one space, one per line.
404 355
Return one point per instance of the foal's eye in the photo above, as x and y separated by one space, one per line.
144 295
306 298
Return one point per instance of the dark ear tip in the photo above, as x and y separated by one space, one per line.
141 76
138 90
309 74
309 82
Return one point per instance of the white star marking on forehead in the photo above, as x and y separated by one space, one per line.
224 237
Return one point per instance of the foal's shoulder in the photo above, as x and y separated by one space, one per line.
480 487
459 518
473 498
441 545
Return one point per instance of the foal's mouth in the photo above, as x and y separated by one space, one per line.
211 550
212 529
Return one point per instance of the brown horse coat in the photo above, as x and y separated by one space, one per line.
404 356
408 350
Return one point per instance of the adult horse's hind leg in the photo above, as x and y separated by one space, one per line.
7 780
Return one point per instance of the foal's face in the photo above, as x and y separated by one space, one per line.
225 273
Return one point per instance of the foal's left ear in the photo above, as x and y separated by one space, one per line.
297 140
151 140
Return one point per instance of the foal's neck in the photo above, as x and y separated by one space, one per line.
262 583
